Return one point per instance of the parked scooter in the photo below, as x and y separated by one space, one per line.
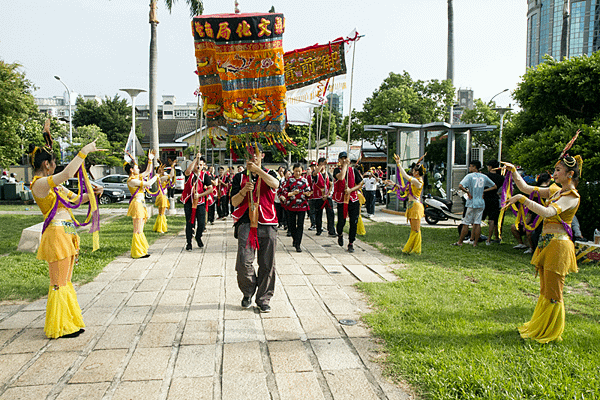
439 208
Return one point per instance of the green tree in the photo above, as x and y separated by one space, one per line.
484 113
400 99
335 130
557 99
88 133
16 107
112 116
299 134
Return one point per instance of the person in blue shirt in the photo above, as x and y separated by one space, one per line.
474 185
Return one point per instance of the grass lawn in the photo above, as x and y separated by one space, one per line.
449 322
24 277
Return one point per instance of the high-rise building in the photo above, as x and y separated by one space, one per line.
546 20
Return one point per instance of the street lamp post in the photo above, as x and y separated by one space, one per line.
502 112
497 94
70 111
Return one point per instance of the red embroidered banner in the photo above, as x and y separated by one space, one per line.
306 66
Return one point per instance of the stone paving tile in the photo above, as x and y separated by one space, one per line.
118 337
191 388
147 364
340 307
319 327
200 332
131 315
298 386
281 329
284 268
245 386
122 286
150 285
363 273
308 308
331 292
235 310
158 335
199 312
207 295
180 284
350 384
91 391
99 366
360 330
279 309
29 341
96 316
39 305
299 293
138 390
174 297
167 313
385 272
334 354
195 362
289 356
6 334
27 392
321 280
292 280
47 369
11 364
132 274
75 344
142 299
345 280
20 320
242 358
158 275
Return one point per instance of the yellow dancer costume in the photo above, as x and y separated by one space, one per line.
137 210
162 203
416 211
59 242
554 258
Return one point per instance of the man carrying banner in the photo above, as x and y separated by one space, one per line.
197 186
253 196
347 182
322 186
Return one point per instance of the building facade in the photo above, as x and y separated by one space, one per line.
561 28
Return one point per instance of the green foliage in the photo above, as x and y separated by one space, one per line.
299 134
112 116
88 133
588 215
196 6
400 99
437 151
484 113
336 126
16 107
449 322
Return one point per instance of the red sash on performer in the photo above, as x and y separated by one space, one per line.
266 206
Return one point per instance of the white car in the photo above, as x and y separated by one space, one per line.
179 177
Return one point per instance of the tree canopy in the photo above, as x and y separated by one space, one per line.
112 116
557 98
16 107
401 99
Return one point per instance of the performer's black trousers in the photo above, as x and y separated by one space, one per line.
296 226
223 207
319 216
211 212
248 280
311 211
353 213
199 223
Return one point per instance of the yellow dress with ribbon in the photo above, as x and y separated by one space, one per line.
414 210
160 225
554 258
60 241
360 226
137 209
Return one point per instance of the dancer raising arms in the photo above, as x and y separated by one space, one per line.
414 209
162 202
554 256
137 205
59 245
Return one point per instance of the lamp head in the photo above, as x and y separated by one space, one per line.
57 77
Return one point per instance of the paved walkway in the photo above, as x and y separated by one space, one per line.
171 327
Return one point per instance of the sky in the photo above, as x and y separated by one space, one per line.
98 47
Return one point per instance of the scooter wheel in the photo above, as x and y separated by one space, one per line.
431 220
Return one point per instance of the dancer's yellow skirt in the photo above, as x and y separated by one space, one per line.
139 245
161 201
547 323
59 241
137 208
160 225
63 314
413 245
415 210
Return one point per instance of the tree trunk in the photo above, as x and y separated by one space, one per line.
450 68
565 32
153 79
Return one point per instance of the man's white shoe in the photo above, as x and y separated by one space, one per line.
520 246
528 251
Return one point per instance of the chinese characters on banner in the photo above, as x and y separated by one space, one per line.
313 64
240 69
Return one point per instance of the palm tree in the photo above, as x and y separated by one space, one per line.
450 66
196 8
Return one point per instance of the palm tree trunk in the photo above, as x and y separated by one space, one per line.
450 66
153 79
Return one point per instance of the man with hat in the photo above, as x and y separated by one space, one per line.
347 181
